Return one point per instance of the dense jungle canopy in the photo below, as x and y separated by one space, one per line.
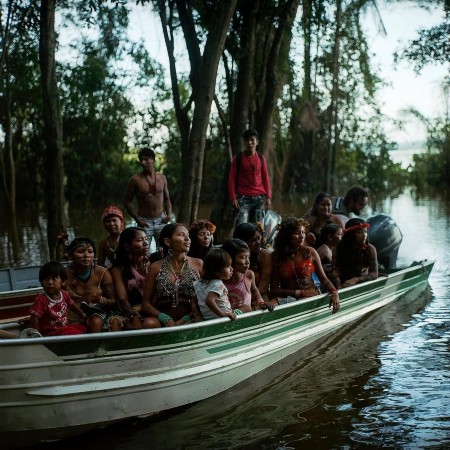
79 96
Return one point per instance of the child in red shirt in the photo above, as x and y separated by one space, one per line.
49 309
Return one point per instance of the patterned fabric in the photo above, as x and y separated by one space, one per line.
238 293
135 287
296 269
169 293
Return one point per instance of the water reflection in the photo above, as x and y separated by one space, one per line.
310 397
381 382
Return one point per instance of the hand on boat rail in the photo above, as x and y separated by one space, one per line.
334 301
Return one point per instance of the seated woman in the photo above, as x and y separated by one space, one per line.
329 238
128 271
320 216
169 293
294 263
356 259
201 235
242 291
260 258
91 287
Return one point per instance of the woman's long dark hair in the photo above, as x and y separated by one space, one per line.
282 248
318 199
351 256
245 232
196 250
123 253
327 230
235 246
166 233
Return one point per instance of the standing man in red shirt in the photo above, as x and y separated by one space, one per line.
248 182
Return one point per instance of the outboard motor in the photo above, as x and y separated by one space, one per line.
386 236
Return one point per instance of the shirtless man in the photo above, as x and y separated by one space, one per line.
152 197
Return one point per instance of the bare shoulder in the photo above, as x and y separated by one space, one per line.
102 242
337 220
134 179
196 264
265 255
155 267
373 250
250 275
323 251
101 271
115 271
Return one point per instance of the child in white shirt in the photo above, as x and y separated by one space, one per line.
211 292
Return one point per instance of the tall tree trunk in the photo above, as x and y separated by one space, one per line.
8 166
280 45
203 79
333 145
52 125
307 131
204 96
245 86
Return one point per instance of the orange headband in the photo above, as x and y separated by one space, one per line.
356 227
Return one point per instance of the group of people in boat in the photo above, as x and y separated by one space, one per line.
188 278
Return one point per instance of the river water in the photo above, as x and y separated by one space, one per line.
383 382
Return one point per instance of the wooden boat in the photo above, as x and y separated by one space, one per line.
55 387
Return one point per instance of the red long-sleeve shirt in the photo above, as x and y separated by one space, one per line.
252 179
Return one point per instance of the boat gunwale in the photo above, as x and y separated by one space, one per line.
307 305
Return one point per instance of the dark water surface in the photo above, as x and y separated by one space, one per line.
382 382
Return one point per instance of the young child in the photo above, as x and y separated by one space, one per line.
242 290
112 219
211 293
49 310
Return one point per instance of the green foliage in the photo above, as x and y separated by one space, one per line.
431 47
115 98
21 96
432 168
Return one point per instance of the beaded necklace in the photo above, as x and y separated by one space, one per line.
151 185
178 277
112 249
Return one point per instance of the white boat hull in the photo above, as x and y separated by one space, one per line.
52 387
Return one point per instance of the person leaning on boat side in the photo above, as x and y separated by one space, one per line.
112 220
320 216
128 272
49 311
294 263
152 197
329 238
201 234
248 181
356 258
92 284
169 293
260 258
